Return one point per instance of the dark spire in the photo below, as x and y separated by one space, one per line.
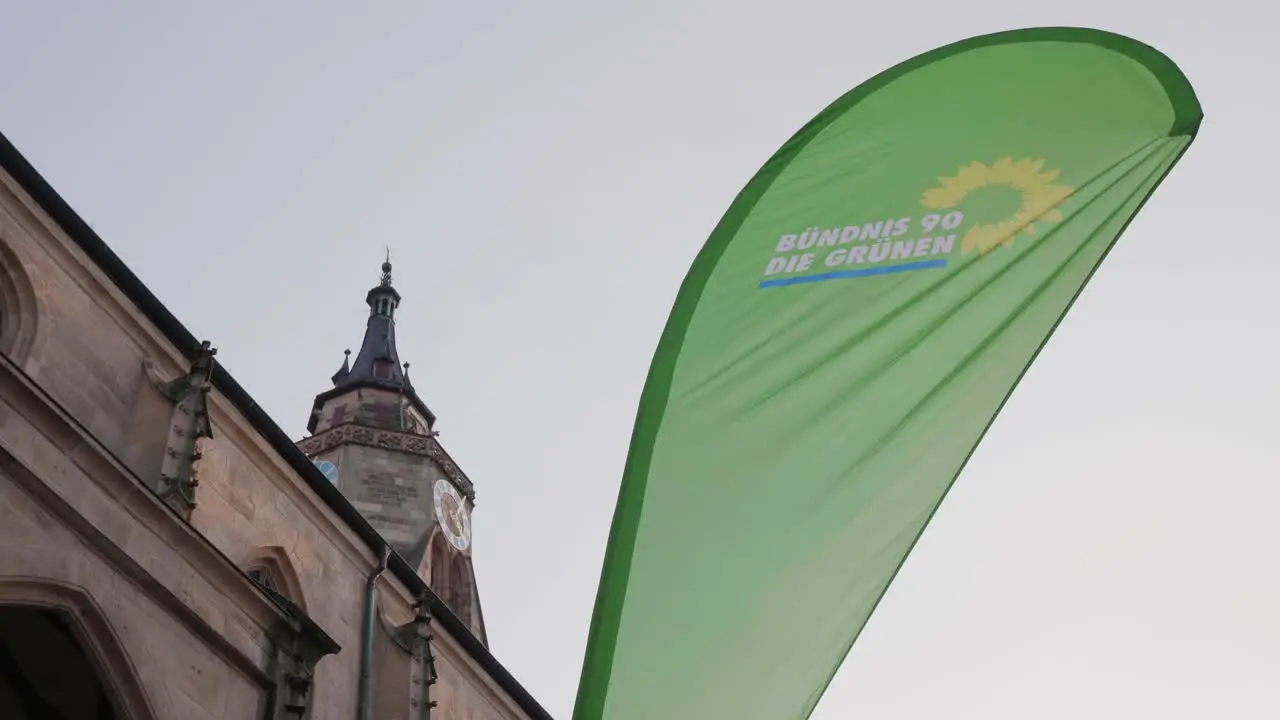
377 363
345 370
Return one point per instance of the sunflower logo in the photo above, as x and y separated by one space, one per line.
1039 201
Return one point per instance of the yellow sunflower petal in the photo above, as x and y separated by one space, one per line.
1003 171
939 198
975 239
1048 177
1023 173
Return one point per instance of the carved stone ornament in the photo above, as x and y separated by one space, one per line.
188 425
414 637
426 446
298 644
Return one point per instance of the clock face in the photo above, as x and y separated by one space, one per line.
451 511
329 469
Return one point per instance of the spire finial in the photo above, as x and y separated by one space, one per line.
345 370
386 269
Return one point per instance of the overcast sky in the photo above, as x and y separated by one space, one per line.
544 174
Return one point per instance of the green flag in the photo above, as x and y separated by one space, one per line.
840 346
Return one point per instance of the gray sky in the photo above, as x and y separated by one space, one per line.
545 173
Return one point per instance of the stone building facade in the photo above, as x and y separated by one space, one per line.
167 551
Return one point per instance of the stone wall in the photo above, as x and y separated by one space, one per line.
464 692
72 518
391 489
183 677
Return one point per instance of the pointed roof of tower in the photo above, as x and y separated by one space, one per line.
377 364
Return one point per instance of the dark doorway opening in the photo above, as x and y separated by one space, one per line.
45 674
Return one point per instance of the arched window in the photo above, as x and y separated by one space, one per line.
272 569
439 555
263 577
459 599
451 577
18 307
60 657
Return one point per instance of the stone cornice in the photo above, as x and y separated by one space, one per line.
423 445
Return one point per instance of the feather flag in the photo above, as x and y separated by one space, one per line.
840 346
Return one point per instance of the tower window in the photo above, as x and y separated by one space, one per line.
382 369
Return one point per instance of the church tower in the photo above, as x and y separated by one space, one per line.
375 439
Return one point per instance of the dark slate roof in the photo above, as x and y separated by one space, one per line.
93 246
377 365
379 344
